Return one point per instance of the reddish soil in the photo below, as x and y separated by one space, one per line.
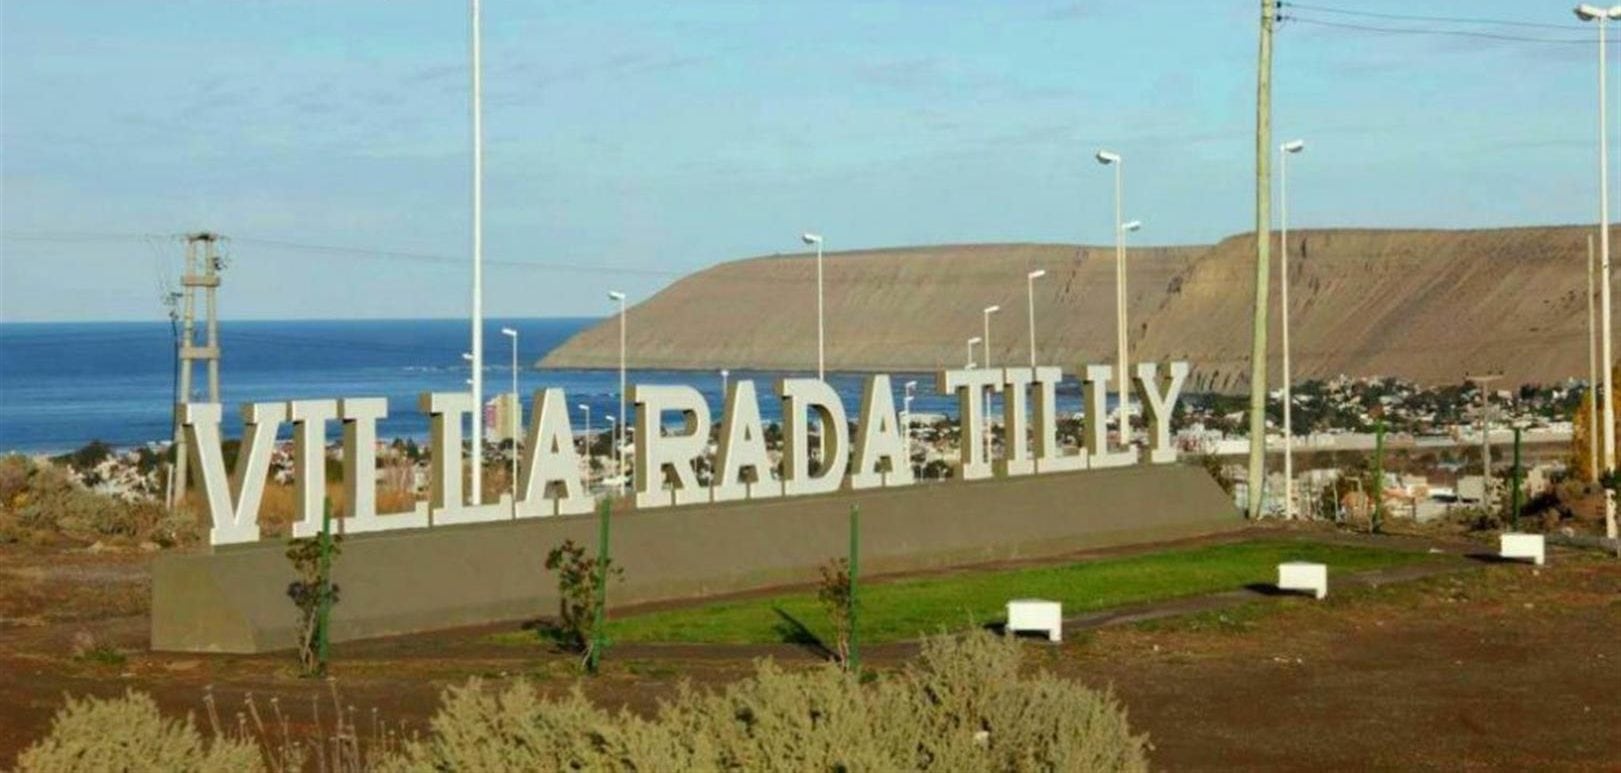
1490 666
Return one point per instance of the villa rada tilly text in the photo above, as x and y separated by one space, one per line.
550 483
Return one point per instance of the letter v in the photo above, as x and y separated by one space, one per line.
233 508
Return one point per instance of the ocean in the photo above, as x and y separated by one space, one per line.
65 384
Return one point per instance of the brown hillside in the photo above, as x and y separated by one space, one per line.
1424 305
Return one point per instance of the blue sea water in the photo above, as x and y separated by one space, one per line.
64 384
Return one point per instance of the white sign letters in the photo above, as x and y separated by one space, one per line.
668 455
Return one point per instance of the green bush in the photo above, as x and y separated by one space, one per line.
963 706
128 734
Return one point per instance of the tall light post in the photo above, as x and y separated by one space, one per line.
1110 158
986 317
619 442
972 342
477 438
1592 373
1587 12
906 418
612 423
588 454
1284 152
990 439
1030 286
512 417
1121 325
821 340
725 385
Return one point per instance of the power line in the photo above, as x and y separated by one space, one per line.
1441 19
73 237
1432 31
441 258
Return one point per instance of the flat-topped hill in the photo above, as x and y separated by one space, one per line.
1426 305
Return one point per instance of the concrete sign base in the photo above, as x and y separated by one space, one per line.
233 599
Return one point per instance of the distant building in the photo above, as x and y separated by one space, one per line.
503 418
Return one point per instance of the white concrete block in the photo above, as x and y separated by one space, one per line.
1303 576
1036 615
1523 546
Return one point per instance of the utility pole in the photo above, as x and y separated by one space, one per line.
1485 436
171 301
203 264
1263 247
1587 12
1518 493
1376 522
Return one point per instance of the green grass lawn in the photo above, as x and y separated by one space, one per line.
907 609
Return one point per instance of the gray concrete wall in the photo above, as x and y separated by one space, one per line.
234 599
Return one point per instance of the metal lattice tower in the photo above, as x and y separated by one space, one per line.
203 265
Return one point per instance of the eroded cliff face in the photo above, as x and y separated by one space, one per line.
1425 305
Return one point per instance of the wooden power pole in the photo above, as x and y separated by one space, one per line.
1263 250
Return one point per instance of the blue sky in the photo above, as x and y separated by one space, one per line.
630 142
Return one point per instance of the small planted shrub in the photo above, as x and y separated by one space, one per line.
308 592
834 594
128 733
577 578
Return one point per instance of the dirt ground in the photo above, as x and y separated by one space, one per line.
1481 665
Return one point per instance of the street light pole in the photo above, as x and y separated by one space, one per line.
512 417
1110 158
906 418
821 362
971 342
612 424
619 442
476 476
986 315
1592 374
1030 288
1122 326
1587 12
588 455
1286 150
990 440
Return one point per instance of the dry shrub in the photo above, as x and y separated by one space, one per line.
14 470
963 706
276 509
46 499
128 733
968 691
393 500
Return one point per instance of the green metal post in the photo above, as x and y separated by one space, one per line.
1378 476
324 610
1517 491
855 573
598 636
